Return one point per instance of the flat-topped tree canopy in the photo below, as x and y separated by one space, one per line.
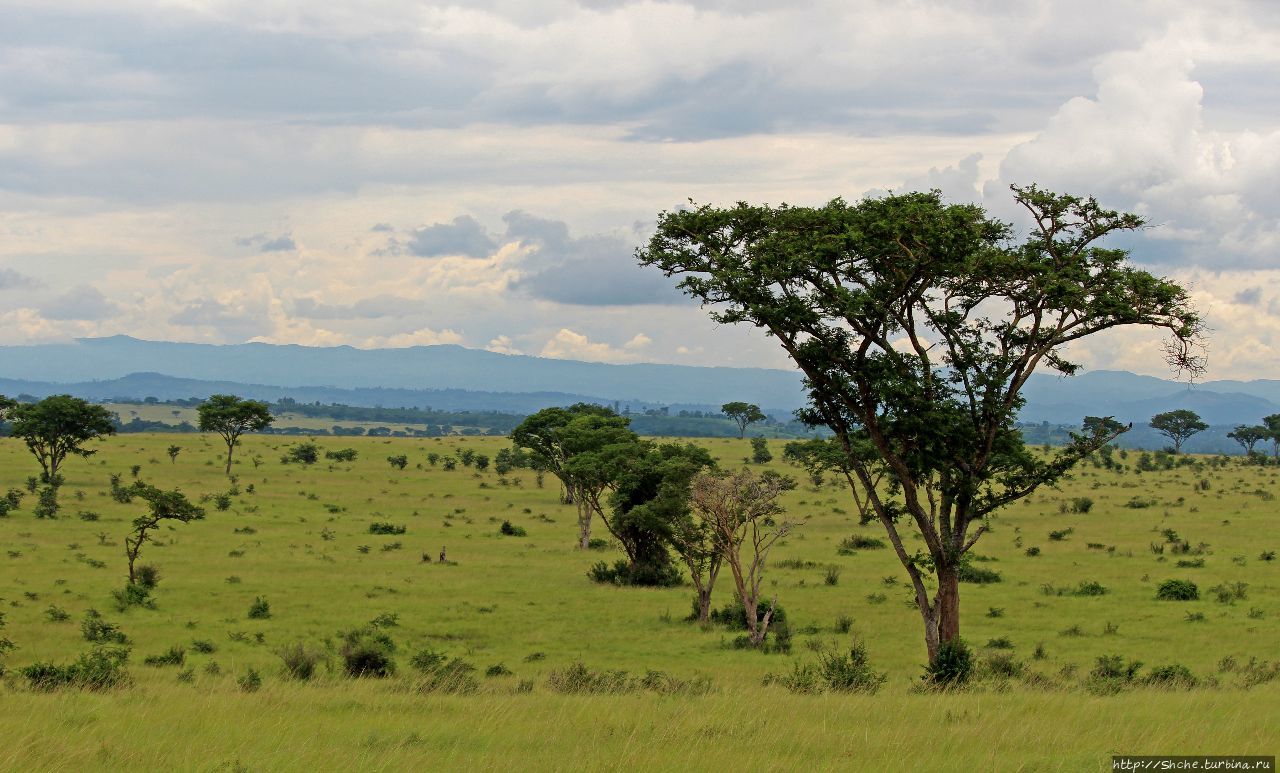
231 417
916 324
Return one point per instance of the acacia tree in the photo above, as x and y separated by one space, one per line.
553 436
1248 437
736 510
231 417
743 414
161 506
1178 426
916 325
1272 423
57 427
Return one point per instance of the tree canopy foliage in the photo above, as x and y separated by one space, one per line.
1178 426
57 427
231 417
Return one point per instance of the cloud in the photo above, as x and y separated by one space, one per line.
234 322
464 236
377 307
283 243
502 345
571 345
81 303
1142 144
12 280
594 270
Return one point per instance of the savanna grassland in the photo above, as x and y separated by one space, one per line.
300 541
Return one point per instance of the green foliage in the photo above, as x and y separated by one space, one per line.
97 630
306 454
1178 425
439 673
512 531
367 652
260 609
231 417
743 414
174 656
380 527
952 667
1177 590
342 455
398 462
102 668
300 661
57 427
978 575
834 672
760 453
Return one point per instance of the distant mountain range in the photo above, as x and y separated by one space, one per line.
456 378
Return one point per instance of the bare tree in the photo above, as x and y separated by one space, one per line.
741 510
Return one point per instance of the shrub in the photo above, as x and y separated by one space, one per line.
860 542
734 616
512 531
1080 505
443 674
398 462
97 630
147 575
1230 592
303 453
133 595
952 667
341 455
251 680
832 576
1032 552
56 614
1002 643
1172 675
367 652
834 672
977 574
1115 667
100 669
260 609
203 646
299 661
1060 535
760 453
578 679
378 527
1177 590
1003 665
174 656
497 669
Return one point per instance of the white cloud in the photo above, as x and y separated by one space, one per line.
567 344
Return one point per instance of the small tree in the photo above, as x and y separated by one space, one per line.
1272 423
760 453
740 510
553 436
162 506
1248 437
743 414
173 454
231 417
1178 426
57 427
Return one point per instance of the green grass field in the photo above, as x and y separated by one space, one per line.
301 541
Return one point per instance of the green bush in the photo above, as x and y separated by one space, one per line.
1177 590
260 609
378 527
299 661
366 652
98 631
174 656
512 531
953 666
834 672
977 575
341 455
100 669
859 542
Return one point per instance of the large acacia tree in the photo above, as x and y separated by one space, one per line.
57 427
916 325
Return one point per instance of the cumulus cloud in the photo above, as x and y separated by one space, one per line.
366 308
80 303
282 243
568 344
233 322
463 236
13 280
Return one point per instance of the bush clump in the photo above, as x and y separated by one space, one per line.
859 542
378 527
1177 590
100 669
442 674
834 672
977 575
300 661
509 530
260 609
952 667
367 652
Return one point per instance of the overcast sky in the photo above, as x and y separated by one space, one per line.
389 173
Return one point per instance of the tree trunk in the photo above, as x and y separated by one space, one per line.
230 445
947 605
584 524
704 604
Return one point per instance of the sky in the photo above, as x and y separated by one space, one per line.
386 173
